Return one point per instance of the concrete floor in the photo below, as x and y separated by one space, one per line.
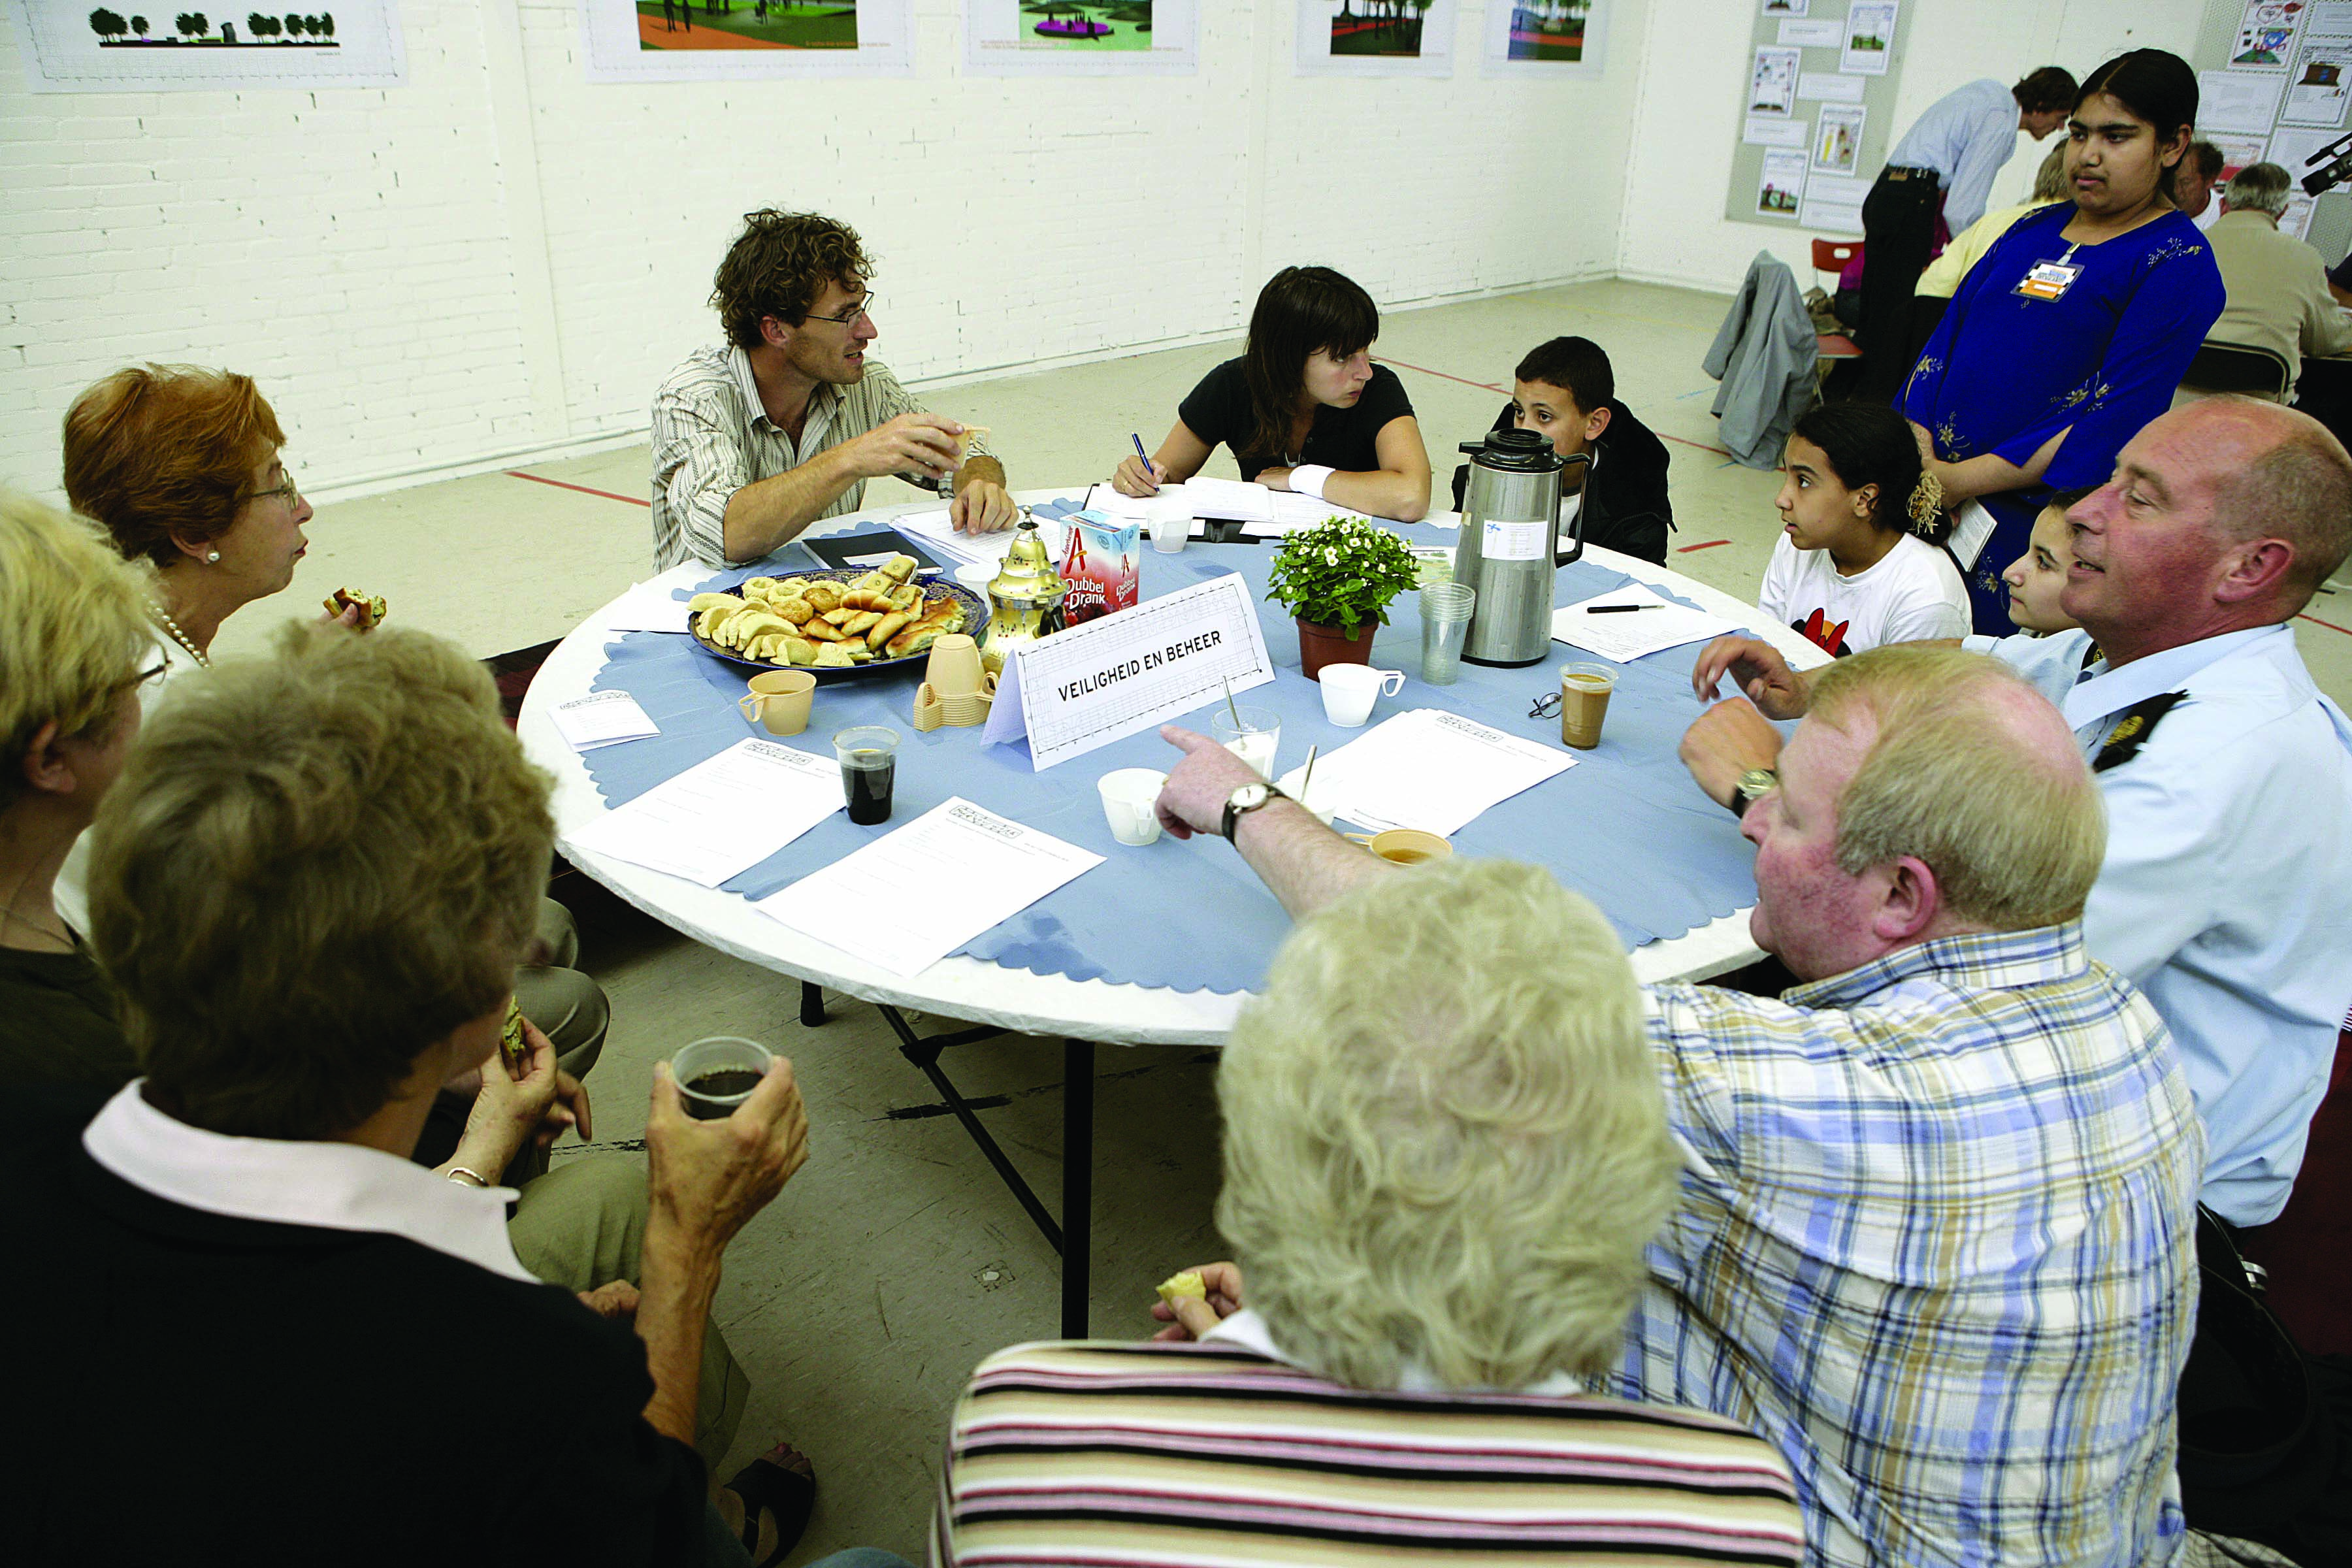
861 1299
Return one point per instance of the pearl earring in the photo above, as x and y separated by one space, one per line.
211 556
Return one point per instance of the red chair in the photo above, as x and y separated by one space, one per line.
2307 1250
1832 256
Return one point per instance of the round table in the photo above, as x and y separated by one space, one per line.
990 997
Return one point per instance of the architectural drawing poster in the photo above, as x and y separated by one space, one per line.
1081 38
70 46
1375 37
1549 37
714 40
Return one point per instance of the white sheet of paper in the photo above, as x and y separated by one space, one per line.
723 815
1761 132
1970 530
1230 500
1428 768
602 719
999 866
1293 512
1627 636
2237 101
647 608
1828 87
940 537
1815 35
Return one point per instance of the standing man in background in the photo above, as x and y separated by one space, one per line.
1942 168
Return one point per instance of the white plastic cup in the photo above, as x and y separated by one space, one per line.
1172 524
1351 689
1128 797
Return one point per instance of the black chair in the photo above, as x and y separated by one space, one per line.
2238 367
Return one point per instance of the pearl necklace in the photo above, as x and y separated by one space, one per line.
178 636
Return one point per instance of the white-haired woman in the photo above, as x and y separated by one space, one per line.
1441 1171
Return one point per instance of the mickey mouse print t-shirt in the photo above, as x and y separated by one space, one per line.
1913 593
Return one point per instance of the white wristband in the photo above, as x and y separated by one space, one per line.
1307 479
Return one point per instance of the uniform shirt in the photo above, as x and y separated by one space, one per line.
1937 1244
2229 847
1964 136
2274 290
1171 1456
712 436
1913 594
1218 410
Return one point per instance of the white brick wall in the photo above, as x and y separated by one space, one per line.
500 258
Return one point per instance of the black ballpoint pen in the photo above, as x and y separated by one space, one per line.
1617 609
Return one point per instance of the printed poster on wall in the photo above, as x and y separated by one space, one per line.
2316 89
1547 37
2265 40
1081 38
1772 82
1786 7
1869 37
1837 138
719 40
1375 37
72 46
1781 186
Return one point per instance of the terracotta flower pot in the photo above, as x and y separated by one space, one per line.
1319 645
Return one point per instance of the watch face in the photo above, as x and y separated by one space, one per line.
1249 797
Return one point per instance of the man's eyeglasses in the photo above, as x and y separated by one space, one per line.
864 308
293 496
1547 706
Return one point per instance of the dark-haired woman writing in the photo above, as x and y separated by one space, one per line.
1304 408
2075 329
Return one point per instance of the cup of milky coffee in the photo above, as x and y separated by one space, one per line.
717 1074
1584 691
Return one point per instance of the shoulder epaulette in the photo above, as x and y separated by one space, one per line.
2138 723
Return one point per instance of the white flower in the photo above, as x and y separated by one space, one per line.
1330 557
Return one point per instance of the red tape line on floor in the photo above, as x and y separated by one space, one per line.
583 490
2331 626
1686 549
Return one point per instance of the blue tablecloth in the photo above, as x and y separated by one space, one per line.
1625 826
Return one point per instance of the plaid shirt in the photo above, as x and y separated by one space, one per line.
712 436
1938 1244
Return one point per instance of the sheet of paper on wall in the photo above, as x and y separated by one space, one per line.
1830 217
1869 36
1796 32
998 867
1759 132
1621 636
2315 92
1429 769
2237 101
2266 35
1828 87
2330 21
721 816
2238 149
1781 183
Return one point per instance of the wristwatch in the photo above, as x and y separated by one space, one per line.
1753 785
1245 800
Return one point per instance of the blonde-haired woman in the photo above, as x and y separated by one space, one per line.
1440 1172
75 647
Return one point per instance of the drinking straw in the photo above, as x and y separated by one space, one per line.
1229 704
1306 782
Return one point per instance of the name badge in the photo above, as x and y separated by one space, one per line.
2049 279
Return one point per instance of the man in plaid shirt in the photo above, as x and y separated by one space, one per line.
1937 1237
783 424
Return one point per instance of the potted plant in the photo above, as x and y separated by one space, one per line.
1337 579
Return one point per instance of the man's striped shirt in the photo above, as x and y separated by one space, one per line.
1938 1243
1190 1456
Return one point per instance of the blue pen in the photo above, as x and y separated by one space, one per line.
1139 452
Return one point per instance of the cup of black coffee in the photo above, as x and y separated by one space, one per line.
869 763
716 1075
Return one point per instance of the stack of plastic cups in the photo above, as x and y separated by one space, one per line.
1444 622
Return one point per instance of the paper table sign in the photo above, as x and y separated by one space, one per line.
602 719
1004 867
1084 687
647 608
721 816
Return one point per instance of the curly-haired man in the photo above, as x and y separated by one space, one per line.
783 424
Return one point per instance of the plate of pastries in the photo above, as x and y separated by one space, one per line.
835 623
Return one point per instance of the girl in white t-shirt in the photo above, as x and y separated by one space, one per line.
1852 570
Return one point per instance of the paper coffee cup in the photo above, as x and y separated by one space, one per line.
1409 846
1584 691
779 700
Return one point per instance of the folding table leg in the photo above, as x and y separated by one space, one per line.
811 1005
1077 1183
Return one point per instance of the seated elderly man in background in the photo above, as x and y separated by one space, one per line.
1440 1173
237 1254
781 426
1937 1235
2228 776
2276 285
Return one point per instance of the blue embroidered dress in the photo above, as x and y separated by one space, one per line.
2004 373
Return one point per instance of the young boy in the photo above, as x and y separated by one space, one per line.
2036 578
1564 389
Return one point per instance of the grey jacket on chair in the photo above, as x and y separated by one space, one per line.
1764 354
